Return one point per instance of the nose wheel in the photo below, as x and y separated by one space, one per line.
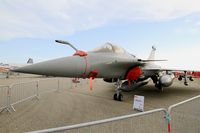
118 96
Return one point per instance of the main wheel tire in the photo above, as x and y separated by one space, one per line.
186 83
120 98
191 79
159 86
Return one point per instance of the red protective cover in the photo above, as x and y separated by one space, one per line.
134 74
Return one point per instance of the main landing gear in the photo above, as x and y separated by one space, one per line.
159 86
157 83
118 96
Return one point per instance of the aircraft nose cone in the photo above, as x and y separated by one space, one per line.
73 66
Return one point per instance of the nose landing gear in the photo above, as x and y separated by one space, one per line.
118 96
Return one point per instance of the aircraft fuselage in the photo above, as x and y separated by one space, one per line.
106 65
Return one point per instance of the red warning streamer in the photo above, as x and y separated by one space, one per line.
92 75
91 83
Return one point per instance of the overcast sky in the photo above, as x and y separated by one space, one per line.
28 28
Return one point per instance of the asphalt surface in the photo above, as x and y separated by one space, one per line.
76 104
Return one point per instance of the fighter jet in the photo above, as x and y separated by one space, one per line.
110 62
5 68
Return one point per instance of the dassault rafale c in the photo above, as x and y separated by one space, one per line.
113 64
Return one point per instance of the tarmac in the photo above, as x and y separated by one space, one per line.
75 105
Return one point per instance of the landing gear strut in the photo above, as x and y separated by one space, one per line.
118 96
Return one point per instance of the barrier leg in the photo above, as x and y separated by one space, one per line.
37 90
168 118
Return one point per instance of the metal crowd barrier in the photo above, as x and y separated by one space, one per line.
185 114
4 98
115 125
20 92
23 91
180 117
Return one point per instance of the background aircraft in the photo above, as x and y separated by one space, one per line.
5 68
111 63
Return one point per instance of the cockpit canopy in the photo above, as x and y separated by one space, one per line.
109 48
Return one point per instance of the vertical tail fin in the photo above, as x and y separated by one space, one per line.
152 54
30 61
151 58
